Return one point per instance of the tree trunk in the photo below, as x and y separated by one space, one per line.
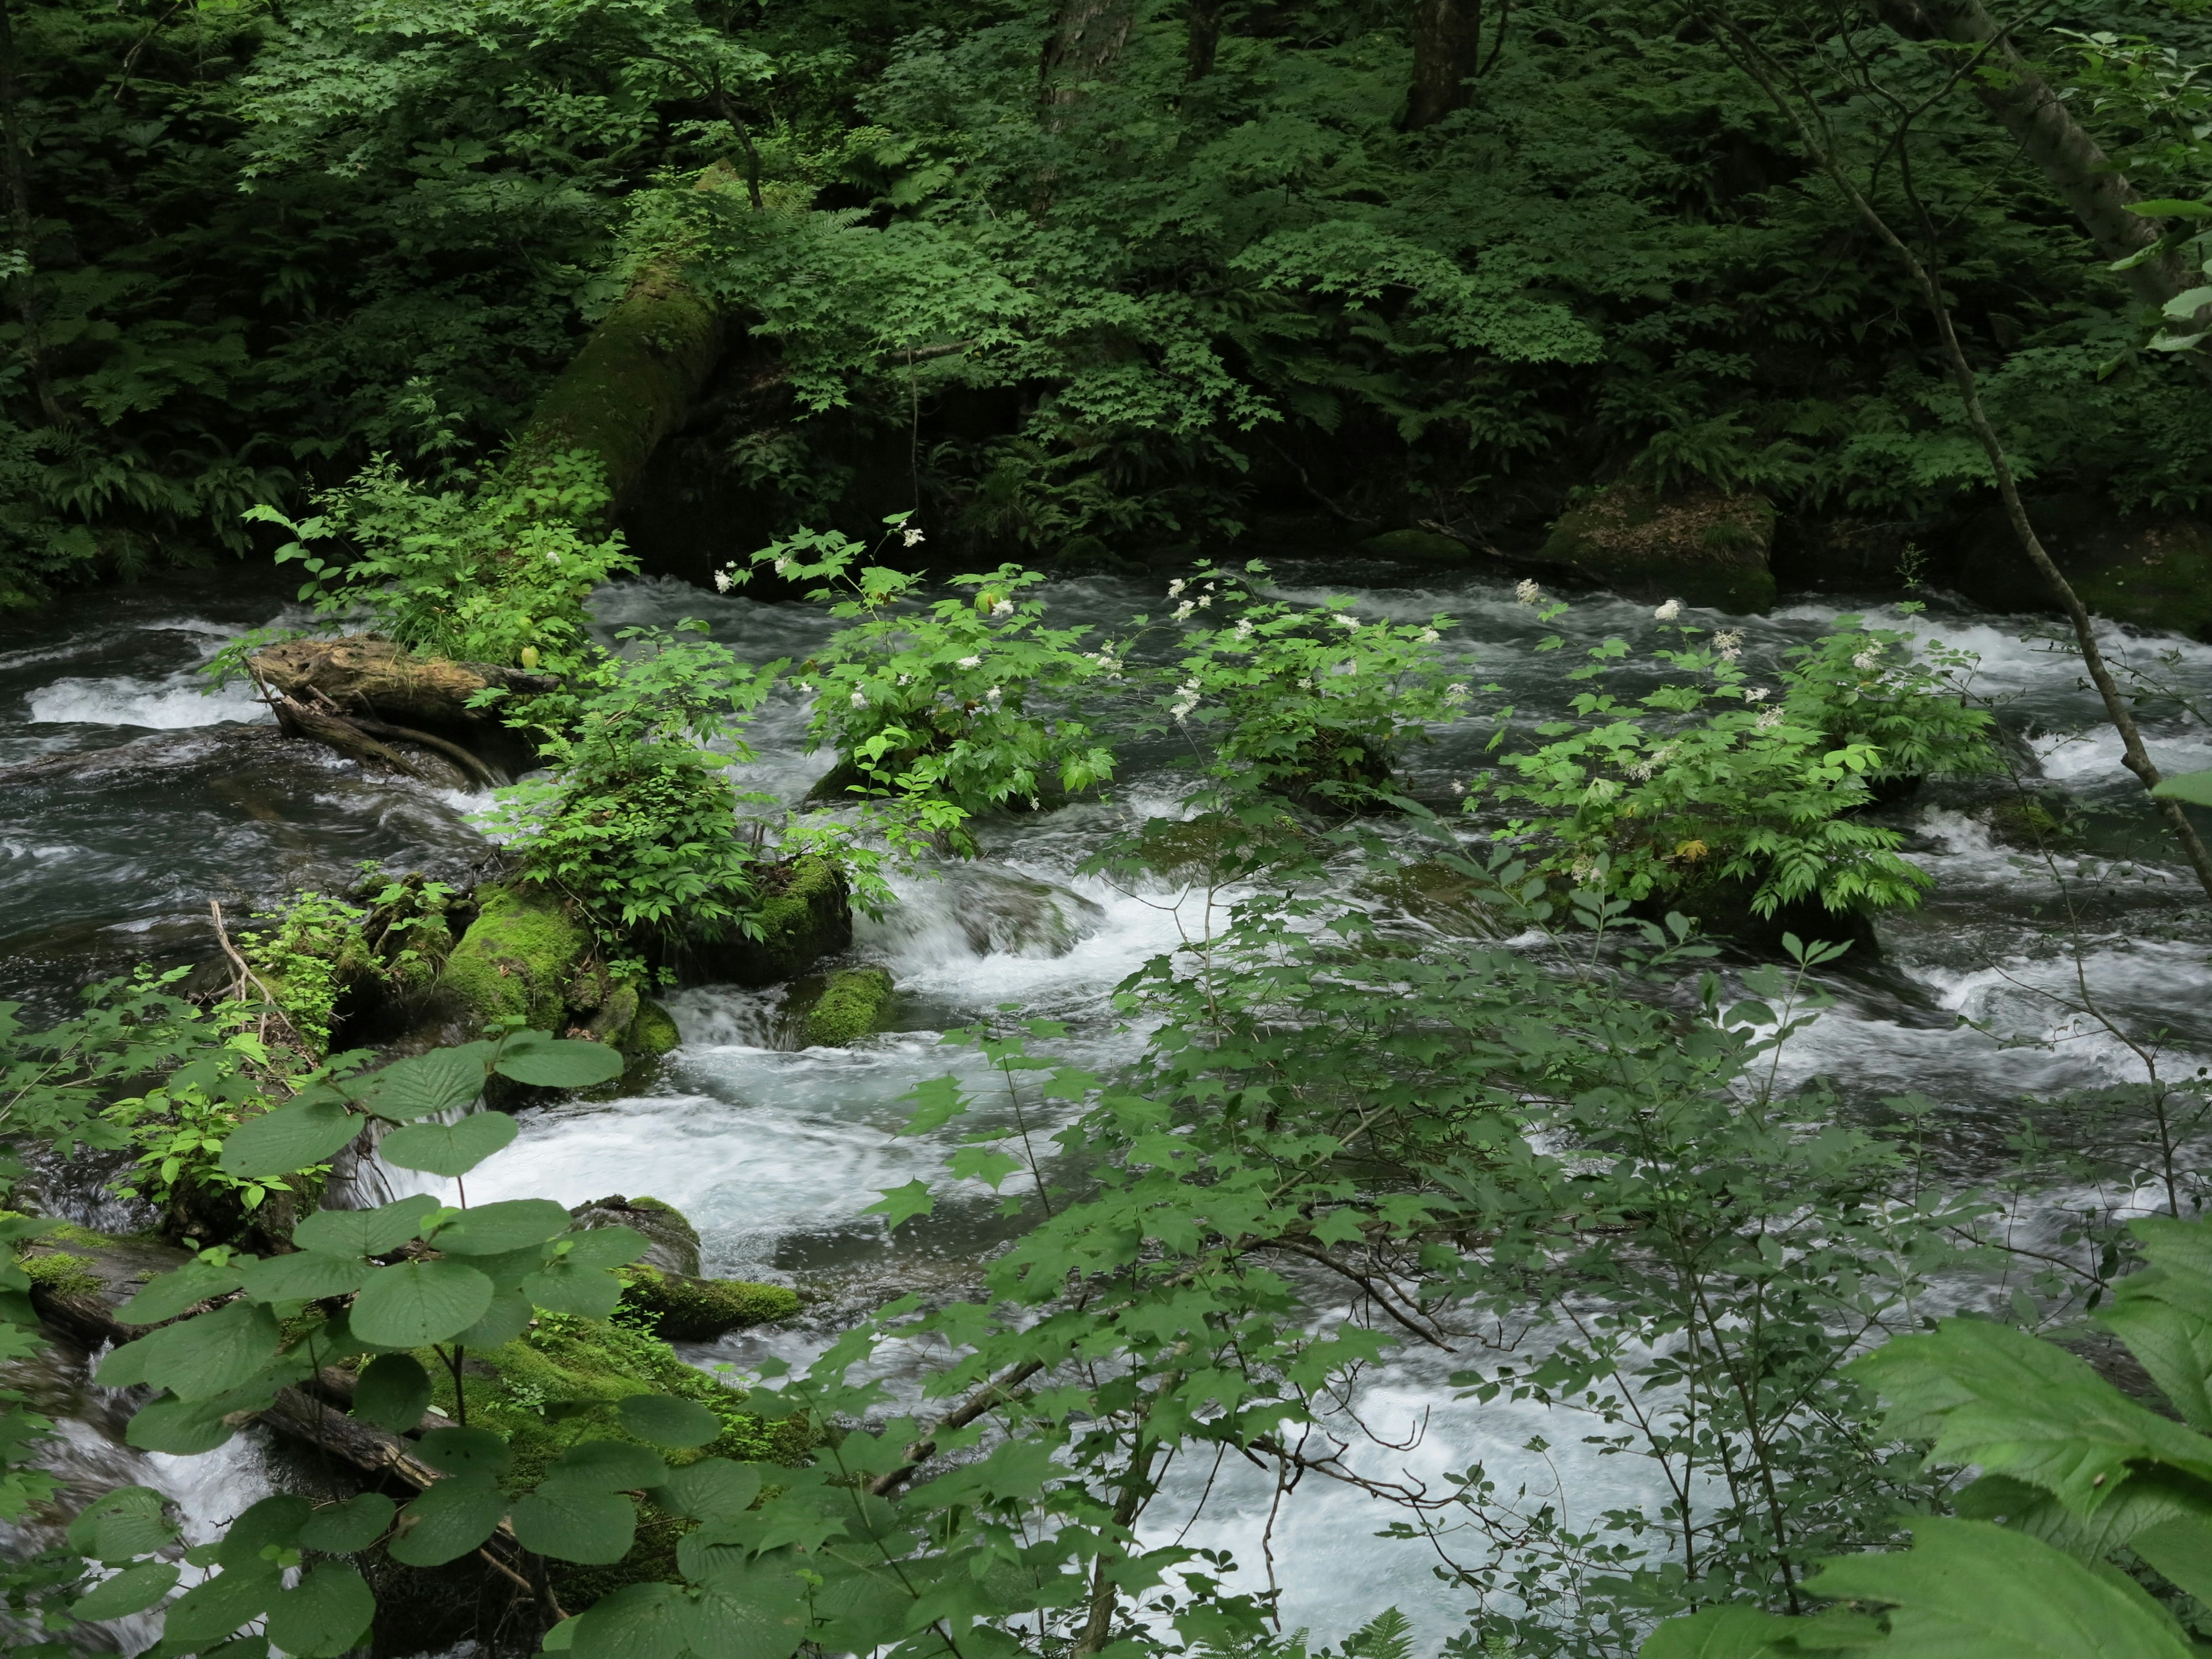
1447 55
2070 160
635 379
1087 36
1203 20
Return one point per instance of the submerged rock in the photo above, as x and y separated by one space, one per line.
1017 916
852 1005
1701 548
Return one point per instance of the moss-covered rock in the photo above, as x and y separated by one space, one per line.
852 1005
804 913
1418 547
685 1310
1701 548
674 1240
525 953
2149 571
61 1272
652 1033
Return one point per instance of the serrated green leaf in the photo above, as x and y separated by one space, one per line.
196 1358
1971 1590
427 1084
499 1229
712 1487
756 1611
165 1297
448 1149
667 1421
414 1303
325 1616
902 1203
560 1062
127 1522
608 1465
293 1138
2181 1550
305 1276
132 1590
2193 787
392 1392
447 1520
365 1232
575 1523
348 1528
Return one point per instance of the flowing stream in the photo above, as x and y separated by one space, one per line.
774 1153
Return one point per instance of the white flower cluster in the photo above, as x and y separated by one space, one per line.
782 567
1182 611
1456 691
1769 719
1868 659
1669 610
1186 699
992 696
1757 694
1244 627
913 536
1653 761
1004 608
721 581
1345 619
970 662
1175 588
1458 788
1527 592
1107 661
1729 643
552 558
1429 637
859 700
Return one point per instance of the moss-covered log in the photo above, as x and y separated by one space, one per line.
637 375
852 1005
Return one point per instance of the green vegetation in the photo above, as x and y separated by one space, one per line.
851 1005
685 1310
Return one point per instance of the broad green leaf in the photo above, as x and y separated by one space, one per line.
586 1293
667 1421
562 1637
447 1520
325 1616
128 1521
2181 1551
902 1203
2150 1498
638 1621
497 1229
305 1276
465 1451
507 1318
186 1428
1718 1633
608 1465
1971 1590
274 1521
173 1292
2193 787
427 1084
211 1610
2174 1345
293 1138
365 1232
711 1488
605 1246
196 1358
414 1303
574 1523
132 1590
448 1149
394 1391
348 1528
510 1268
559 1063
2170 207
756 1611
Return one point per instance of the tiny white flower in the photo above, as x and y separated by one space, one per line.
1757 694
993 696
1183 611
1244 627
1669 610
1458 788
1528 593
1206 601
1004 608
1175 588
905 678
1429 637
1868 660
971 662
781 566
807 688
1769 719
1455 692
859 700
1307 683
552 558
1036 805
914 537
1345 619
721 581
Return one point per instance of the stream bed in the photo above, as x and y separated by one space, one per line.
775 1152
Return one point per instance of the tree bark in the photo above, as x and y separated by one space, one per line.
15 171
1202 22
2072 161
360 695
1087 37
1447 55
637 375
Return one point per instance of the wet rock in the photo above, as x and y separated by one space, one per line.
1418 547
675 1241
699 1310
2145 569
804 913
852 1004
1448 899
1701 547
524 954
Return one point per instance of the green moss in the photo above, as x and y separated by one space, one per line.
698 1309
68 1232
1418 547
652 1033
1701 548
521 956
851 1006
804 915
62 1274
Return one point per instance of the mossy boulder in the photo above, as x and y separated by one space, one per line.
2147 570
685 1310
60 1273
674 1240
1701 547
853 1004
804 911
1418 547
527 954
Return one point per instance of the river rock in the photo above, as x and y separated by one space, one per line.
804 912
852 1004
1701 547
1418 547
2141 568
675 1240
1017 916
